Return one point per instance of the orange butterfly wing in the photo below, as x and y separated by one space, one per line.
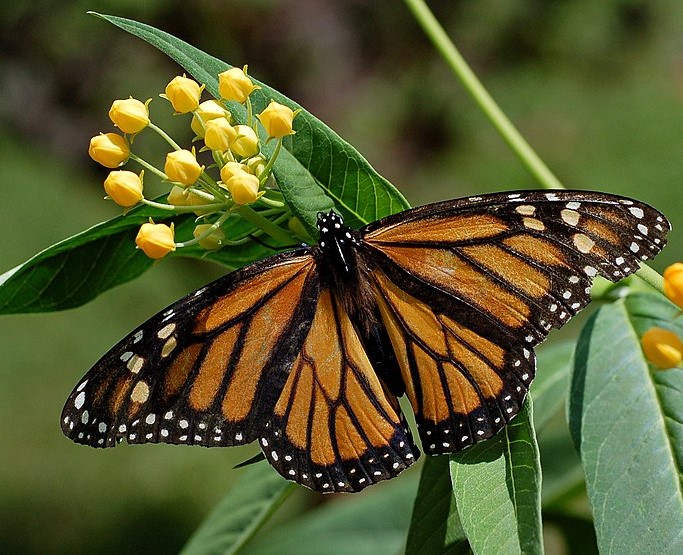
335 426
466 288
206 371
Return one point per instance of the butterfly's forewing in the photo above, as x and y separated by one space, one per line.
336 427
467 287
206 371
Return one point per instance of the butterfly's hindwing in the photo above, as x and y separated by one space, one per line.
463 387
335 426
207 370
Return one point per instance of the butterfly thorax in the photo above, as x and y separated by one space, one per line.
342 267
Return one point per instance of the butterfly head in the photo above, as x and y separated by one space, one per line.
336 240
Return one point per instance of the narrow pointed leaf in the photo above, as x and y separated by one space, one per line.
245 508
626 420
497 487
371 523
435 526
549 388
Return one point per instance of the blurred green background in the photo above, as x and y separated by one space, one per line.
596 87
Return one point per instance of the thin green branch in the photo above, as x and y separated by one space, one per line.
488 106
253 217
651 277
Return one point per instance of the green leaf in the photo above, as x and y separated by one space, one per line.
317 168
435 526
242 512
497 487
373 522
76 270
626 421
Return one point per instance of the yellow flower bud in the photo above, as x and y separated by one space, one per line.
663 348
212 241
219 134
177 196
277 120
234 84
231 169
129 115
182 167
243 187
256 165
124 187
673 283
180 196
155 240
205 112
246 142
109 149
183 94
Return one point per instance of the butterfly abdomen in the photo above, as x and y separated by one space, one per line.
346 271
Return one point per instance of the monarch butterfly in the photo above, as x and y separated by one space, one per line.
308 351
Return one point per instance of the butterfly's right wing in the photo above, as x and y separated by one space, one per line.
467 288
207 370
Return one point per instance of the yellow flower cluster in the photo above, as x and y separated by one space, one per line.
234 149
662 347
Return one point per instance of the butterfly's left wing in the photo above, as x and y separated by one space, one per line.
208 369
466 288
336 427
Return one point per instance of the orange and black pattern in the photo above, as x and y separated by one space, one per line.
308 351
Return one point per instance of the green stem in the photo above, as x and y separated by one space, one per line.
250 114
212 187
265 224
149 167
651 277
215 207
269 166
270 202
165 136
488 106
214 226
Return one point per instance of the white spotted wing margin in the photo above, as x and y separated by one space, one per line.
208 369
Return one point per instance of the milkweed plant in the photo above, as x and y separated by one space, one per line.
253 179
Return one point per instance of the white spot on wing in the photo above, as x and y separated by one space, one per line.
570 217
135 364
525 210
583 243
166 331
140 392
